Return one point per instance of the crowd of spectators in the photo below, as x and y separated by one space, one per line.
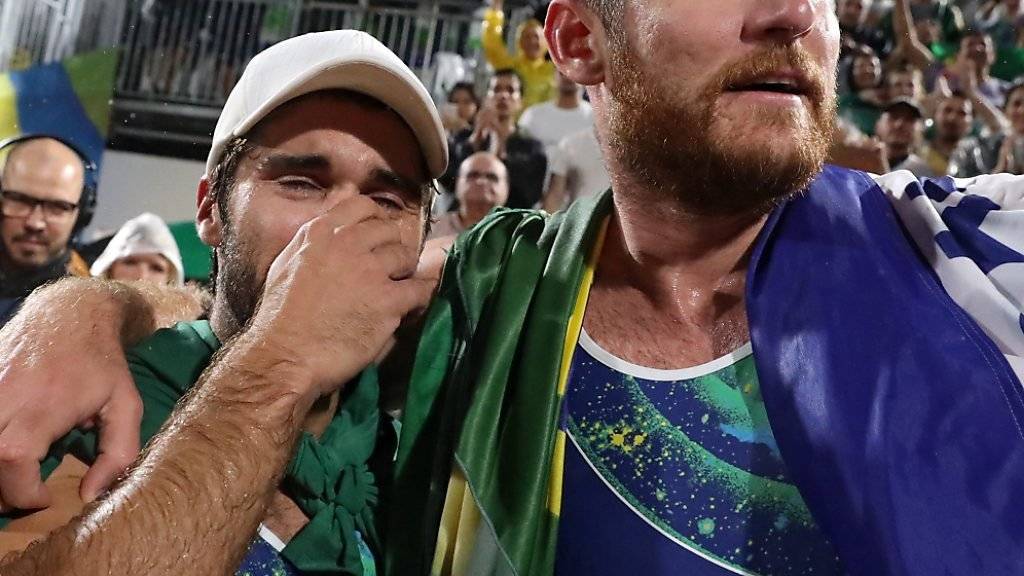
932 86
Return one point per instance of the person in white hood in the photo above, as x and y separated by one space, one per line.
143 249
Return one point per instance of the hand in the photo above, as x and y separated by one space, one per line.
336 294
60 371
969 79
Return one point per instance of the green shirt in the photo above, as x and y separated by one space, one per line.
330 478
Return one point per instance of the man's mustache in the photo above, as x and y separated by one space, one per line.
812 78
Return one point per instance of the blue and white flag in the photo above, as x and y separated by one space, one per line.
885 317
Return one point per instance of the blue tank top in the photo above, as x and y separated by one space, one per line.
677 472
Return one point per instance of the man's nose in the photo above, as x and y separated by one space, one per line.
36 220
782 21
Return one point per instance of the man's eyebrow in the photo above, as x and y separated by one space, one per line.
388 178
280 162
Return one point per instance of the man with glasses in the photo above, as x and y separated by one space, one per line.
40 188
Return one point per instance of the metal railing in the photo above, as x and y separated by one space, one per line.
191 52
44 31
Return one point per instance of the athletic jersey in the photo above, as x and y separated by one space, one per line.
677 472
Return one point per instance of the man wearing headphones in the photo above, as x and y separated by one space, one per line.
42 189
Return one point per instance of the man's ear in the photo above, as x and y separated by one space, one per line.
576 41
208 222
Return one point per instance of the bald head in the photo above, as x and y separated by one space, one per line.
482 185
44 162
38 170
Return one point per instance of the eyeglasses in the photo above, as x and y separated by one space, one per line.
17 205
491 177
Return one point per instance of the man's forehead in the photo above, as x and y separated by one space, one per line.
305 132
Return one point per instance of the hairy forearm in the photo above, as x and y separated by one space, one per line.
198 493
131 311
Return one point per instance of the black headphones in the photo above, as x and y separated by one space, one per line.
87 201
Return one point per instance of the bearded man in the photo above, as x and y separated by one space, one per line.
736 361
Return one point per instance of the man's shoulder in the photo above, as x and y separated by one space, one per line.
174 356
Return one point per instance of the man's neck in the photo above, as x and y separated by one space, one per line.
681 276
569 101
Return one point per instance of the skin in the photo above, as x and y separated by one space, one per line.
331 219
569 93
47 170
147 267
677 268
1015 110
531 42
904 84
899 131
465 104
681 273
853 12
497 119
867 70
953 120
482 184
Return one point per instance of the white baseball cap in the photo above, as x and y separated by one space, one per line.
336 59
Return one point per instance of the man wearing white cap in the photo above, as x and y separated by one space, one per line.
319 175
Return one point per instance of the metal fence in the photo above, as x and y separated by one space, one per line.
192 51
43 31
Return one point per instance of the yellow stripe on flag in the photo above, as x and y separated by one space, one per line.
8 110
572 336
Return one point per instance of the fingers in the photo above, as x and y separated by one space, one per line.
118 447
368 235
20 478
396 260
411 294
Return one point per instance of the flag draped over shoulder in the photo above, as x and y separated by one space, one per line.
69 99
882 325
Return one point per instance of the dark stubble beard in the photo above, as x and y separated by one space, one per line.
237 285
667 140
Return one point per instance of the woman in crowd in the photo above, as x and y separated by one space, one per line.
462 107
143 249
530 61
862 106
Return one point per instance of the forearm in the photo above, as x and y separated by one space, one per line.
132 311
200 490
554 199
989 114
492 41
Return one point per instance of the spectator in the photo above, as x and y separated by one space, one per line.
855 29
482 185
1001 20
1011 148
551 121
904 83
900 130
529 62
954 117
497 132
862 106
143 249
577 171
462 108
948 18
41 199
994 153
973 65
